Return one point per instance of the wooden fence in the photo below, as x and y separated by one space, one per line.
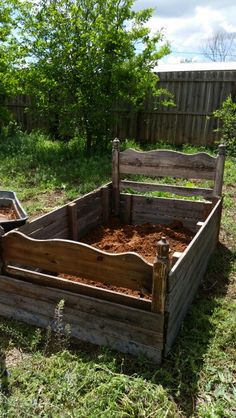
197 94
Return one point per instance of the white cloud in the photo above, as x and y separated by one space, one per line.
187 24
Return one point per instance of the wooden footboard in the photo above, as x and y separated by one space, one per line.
23 255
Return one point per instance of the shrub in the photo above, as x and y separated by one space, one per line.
227 129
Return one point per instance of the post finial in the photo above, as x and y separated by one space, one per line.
221 149
163 248
116 144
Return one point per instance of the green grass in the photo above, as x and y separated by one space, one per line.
47 173
198 377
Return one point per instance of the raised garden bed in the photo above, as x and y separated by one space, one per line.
132 301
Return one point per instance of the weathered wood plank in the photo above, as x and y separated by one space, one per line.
84 326
88 321
58 217
219 171
187 273
87 203
185 281
61 256
163 163
142 218
162 210
83 303
45 221
159 278
175 319
72 221
176 207
76 287
185 261
85 334
126 213
106 204
90 220
178 190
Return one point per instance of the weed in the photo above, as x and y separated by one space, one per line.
58 333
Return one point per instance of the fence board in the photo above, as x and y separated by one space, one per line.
197 94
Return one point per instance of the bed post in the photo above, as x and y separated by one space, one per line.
160 273
116 176
219 171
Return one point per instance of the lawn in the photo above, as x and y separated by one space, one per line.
48 376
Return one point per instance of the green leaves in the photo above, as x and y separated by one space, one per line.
227 129
82 62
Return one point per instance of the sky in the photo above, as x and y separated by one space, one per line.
188 24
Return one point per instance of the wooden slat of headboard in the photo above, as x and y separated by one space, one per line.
61 256
164 163
166 188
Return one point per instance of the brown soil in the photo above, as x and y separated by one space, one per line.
141 239
8 213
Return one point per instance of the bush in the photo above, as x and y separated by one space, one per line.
227 129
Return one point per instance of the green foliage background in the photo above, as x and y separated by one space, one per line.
81 59
227 129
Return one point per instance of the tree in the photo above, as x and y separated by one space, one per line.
220 47
80 58
6 26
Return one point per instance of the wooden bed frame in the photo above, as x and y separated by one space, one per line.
33 254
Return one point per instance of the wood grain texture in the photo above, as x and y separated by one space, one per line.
162 210
220 163
126 213
197 94
72 221
61 256
76 287
47 224
159 278
106 203
163 163
194 246
89 214
178 190
99 322
186 275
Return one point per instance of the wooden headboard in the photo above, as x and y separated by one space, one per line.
166 163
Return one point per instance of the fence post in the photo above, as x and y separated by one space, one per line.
160 273
116 176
